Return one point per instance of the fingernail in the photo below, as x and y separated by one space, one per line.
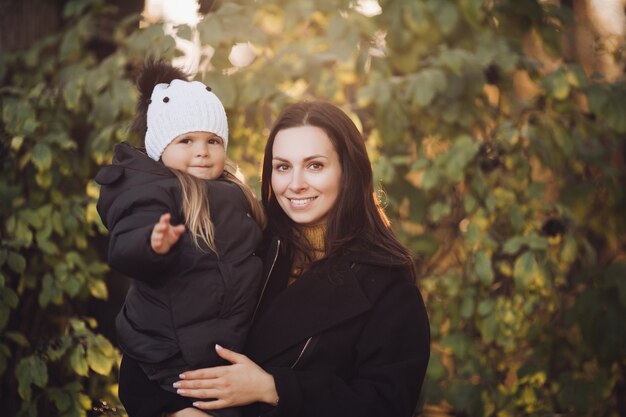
176 384
196 404
181 376
218 347
180 391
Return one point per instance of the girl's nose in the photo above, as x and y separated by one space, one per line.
202 149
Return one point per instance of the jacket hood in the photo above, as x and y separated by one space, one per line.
127 156
114 181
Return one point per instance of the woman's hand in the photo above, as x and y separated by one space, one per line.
164 235
241 383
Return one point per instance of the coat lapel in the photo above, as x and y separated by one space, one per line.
314 303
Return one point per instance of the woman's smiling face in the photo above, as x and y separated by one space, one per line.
306 174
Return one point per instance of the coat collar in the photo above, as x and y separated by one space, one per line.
312 304
129 157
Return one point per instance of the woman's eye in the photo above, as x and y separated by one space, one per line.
316 166
281 168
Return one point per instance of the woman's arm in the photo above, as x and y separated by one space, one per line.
391 356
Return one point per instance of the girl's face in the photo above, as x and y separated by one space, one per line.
306 174
200 154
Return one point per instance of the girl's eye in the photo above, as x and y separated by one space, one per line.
215 141
185 140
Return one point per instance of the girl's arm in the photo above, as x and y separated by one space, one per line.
137 224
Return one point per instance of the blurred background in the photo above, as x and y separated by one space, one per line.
497 133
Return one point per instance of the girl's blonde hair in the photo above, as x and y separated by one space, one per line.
196 205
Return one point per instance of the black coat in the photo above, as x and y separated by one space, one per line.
347 339
189 299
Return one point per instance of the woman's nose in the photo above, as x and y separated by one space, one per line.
297 182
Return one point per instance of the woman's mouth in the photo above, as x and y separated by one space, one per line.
301 202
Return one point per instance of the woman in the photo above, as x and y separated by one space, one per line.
340 329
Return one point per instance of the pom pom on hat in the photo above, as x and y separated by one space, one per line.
182 107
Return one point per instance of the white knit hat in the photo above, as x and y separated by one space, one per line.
181 107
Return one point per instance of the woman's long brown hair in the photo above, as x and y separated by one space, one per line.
356 217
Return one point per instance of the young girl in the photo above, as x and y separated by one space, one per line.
185 229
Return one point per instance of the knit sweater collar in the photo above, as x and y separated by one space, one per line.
315 236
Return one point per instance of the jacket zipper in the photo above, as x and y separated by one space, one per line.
267 278
306 345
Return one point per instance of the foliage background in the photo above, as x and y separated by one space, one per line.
501 159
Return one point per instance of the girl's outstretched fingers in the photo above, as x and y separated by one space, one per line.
164 235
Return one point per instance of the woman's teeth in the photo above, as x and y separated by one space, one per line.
301 201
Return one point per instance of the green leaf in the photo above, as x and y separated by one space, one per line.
30 370
483 268
72 93
472 12
17 337
61 399
446 15
100 363
10 297
524 270
104 345
557 85
16 262
74 8
467 307
458 344
98 289
78 362
210 31
425 244
58 348
488 327
440 209
426 84
183 31
457 158
516 218
485 307
70 46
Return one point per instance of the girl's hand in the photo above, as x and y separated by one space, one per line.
241 383
164 235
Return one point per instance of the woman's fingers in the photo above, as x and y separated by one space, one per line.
211 405
199 393
229 355
202 374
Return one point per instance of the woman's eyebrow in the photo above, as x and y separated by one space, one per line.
308 158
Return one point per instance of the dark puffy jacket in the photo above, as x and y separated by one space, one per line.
189 299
